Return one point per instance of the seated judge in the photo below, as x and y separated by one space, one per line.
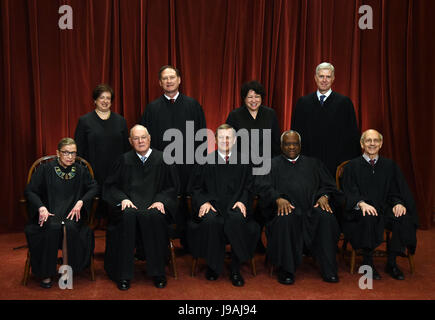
59 196
378 197
143 199
222 210
300 217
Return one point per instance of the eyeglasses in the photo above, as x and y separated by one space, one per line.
68 153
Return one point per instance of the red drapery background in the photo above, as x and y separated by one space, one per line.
47 74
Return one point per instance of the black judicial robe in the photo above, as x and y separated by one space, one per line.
383 187
143 184
222 185
141 229
161 115
302 184
240 118
59 196
329 133
101 142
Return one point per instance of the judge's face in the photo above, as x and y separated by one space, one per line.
324 80
253 101
104 102
140 140
291 146
67 155
169 81
225 140
371 143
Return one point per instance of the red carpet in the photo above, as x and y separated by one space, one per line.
308 285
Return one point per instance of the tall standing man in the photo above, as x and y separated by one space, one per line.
327 113
172 110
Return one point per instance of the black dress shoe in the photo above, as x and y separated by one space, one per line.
46 284
395 272
332 279
159 281
285 277
124 284
237 279
211 275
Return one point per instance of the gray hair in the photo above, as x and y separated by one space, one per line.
138 126
325 65
288 132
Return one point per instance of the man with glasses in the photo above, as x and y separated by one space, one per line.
173 110
141 192
378 197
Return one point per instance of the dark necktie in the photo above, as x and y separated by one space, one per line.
372 162
226 159
293 161
172 100
322 99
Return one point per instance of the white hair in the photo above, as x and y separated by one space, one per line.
325 65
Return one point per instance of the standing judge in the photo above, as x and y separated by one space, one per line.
59 196
142 196
378 197
173 110
222 210
298 191
101 136
326 113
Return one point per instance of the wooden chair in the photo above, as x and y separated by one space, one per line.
387 234
90 218
195 260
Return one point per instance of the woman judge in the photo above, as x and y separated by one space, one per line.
59 195
101 136
253 115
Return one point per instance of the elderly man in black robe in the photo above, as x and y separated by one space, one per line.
297 194
222 210
378 197
142 195
174 110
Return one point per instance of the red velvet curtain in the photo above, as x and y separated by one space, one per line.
47 74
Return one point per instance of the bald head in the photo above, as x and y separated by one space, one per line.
371 142
140 139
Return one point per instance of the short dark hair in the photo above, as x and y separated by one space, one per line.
255 86
168 67
100 89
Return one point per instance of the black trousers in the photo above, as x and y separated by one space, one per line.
208 236
366 232
150 228
290 235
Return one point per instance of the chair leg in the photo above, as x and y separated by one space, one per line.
411 262
26 269
92 268
352 261
253 267
173 262
271 270
194 264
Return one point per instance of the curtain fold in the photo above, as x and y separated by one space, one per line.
48 74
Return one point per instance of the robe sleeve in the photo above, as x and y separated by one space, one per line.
112 189
35 192
200 193
168 190
81 140
351 133
350 188
327 184
90 187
